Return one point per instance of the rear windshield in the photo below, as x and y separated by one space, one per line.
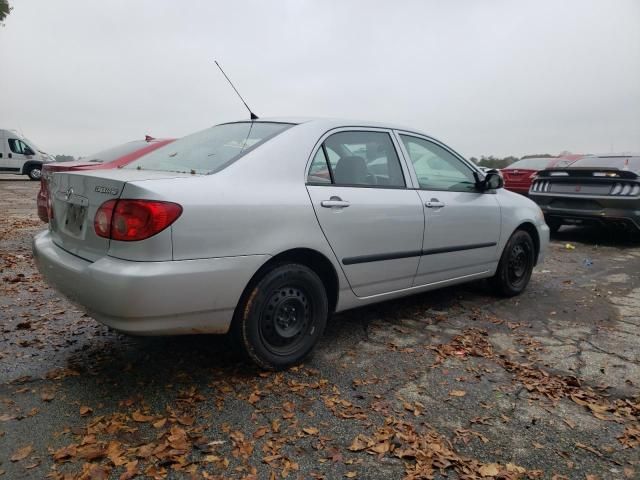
210 150
621 163
115 153
532 163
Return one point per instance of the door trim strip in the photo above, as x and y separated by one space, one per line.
413 253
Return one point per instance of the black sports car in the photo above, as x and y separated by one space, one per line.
596 189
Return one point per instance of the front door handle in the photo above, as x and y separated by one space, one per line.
434 203
334 202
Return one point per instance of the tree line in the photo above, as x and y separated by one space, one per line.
496 162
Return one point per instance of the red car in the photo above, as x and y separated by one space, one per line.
519 175
110 158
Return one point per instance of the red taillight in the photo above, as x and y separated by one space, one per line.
43 202
130 220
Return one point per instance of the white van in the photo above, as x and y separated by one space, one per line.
21 156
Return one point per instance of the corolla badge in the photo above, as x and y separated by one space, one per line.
107 190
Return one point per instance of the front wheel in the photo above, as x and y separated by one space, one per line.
516 265
282 316
34 173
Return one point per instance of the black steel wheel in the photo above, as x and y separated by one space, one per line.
282 316
516 265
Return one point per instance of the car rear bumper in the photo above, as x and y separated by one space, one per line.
623 213
150 298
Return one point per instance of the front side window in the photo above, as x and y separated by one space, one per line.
210 150
18 146
437 168
358 159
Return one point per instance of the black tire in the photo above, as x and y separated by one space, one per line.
516 265
34 173
554 225
281 317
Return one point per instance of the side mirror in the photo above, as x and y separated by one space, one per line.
28 151
492 181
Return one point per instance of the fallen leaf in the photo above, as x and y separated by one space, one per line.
160 423
311 431
47 396
84 410
458 393
138 416
359 443
489 470
21 453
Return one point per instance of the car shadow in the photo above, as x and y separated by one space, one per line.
596 235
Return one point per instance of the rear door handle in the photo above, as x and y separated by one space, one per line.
434 203
335 202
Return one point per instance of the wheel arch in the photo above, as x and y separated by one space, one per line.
310 258
29 164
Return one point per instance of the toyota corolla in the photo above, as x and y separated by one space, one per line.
267 227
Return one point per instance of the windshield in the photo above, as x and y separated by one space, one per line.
115 153
210 150
621 163
531 163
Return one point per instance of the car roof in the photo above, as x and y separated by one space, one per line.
336 123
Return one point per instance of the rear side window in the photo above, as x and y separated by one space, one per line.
357 159
532 163
210 150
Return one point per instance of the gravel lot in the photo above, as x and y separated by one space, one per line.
454 383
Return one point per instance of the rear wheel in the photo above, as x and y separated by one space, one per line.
282 316
516 265
34 173
553 224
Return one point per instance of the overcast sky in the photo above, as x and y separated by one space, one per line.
486 77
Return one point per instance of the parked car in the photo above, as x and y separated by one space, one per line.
21 156
111 158
603 190
519 175
267 227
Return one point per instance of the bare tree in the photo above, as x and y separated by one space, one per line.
4 10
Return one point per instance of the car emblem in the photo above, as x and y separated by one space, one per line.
578 188
68 193
107 190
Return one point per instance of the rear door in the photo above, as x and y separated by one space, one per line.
372 221
462 224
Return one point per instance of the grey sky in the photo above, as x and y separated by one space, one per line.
486 77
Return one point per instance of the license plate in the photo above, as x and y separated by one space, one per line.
75 218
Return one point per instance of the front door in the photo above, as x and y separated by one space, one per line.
18 153
373 223
462 224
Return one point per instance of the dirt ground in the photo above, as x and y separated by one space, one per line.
455 383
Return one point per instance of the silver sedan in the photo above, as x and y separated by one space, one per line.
268 227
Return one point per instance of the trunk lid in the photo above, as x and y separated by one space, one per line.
75 198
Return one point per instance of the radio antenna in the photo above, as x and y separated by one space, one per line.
252 115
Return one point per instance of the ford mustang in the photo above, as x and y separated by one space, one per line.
267 227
